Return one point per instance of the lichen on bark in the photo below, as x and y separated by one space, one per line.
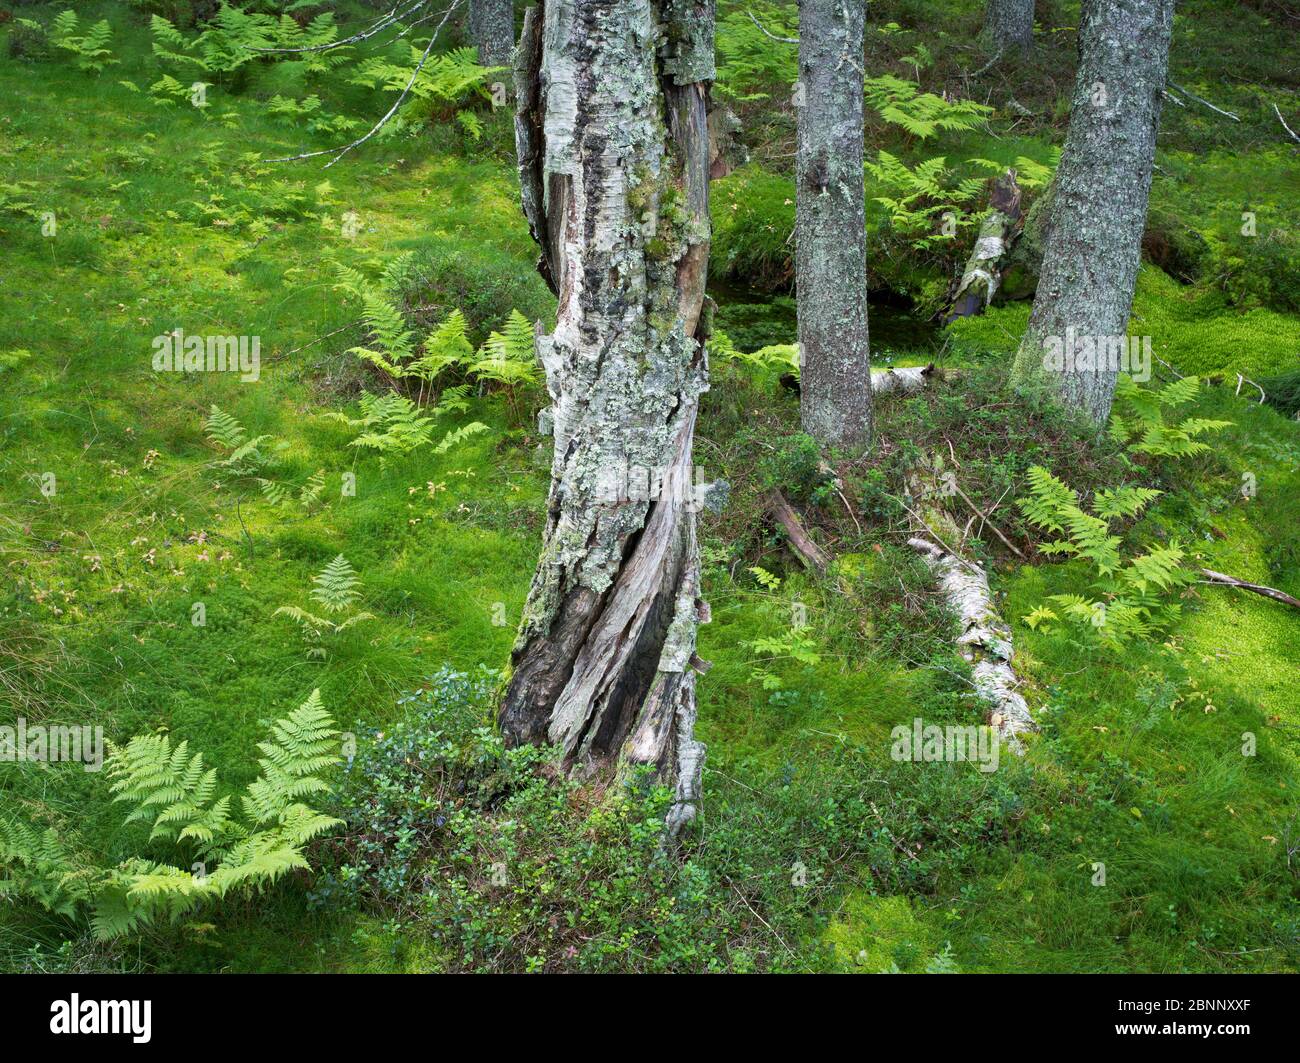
613 154
830 227
1094 237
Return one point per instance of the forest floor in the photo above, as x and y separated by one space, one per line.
170 218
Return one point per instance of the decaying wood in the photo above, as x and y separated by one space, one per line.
613 151
901 381
985 639
1258 588
983 273
726 150
812 555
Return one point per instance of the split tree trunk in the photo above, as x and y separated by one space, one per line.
492 26
1094 240
612 140
830 226
1009 24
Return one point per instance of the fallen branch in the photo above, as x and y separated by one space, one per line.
1257 588
807 551
1204 102
985 640
339 152
769 33
984 518
1290 131
1246 380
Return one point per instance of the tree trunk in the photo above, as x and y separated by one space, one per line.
1009 24
612 141
1093 245
830 226
492 26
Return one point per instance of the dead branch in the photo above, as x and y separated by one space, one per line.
807 551
1256 588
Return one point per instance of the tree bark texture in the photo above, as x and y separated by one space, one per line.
830 226
1093 243
1009 24
613 149
492 26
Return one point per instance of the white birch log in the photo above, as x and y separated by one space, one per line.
985 640
900 381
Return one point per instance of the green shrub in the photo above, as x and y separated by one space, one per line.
508 867
796 467
483 282
28 39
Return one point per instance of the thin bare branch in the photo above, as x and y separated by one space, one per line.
381 24
339 152
1204 102
1290 131
769 33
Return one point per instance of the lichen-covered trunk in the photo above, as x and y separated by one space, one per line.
1009 24
830 226
492 27
983 273
1094 235
613 150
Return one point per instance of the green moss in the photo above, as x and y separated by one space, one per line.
873 934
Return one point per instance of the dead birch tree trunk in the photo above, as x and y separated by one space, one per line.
613 151
983 273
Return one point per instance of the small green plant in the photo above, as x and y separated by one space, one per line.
334 592
1131 594
922 114
446 83
393 425
248 455
1138 419
253 457
211 852
233 39
89 47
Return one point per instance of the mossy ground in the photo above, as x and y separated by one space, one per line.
1140 764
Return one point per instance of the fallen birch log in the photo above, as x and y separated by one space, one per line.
985 640
983 273
901 381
